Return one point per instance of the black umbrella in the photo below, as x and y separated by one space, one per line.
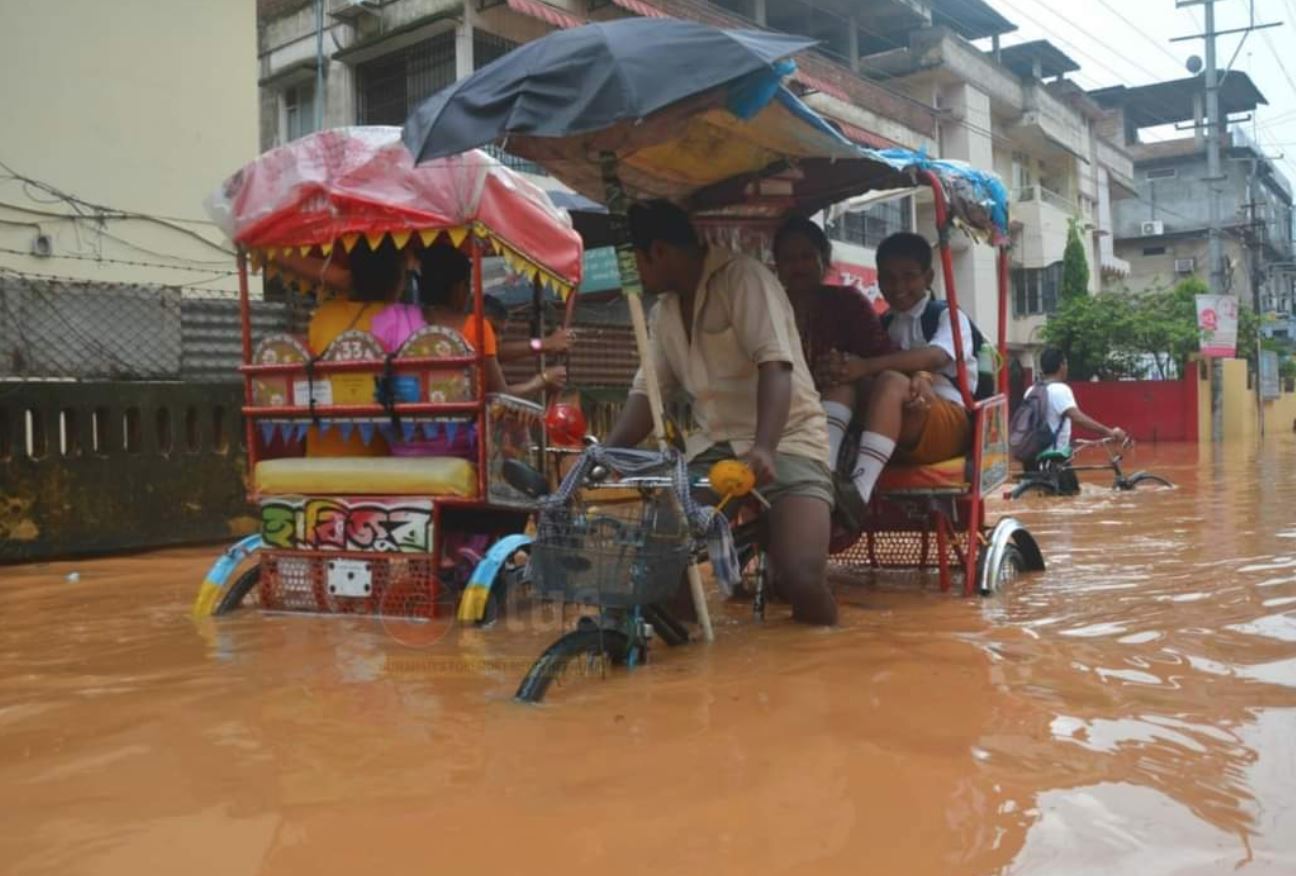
648 107
588 79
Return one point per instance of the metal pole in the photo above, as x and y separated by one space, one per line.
1216 250
319 65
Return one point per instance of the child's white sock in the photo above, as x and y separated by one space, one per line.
874 451
838 421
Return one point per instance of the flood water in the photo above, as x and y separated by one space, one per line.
1132 710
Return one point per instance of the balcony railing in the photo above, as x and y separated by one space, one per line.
512 162
1043 195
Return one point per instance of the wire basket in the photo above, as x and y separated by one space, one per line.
614 554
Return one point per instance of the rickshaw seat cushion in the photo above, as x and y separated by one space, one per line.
368 475
1055 455
949 474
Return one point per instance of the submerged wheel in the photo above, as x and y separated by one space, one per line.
506 590
1037 488
1146 479
591 645
234 595
1012 563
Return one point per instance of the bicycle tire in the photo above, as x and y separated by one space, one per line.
234 595
1145 477
1027 487
550 665
1013 560
668 629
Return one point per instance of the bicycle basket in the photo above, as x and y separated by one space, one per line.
614 554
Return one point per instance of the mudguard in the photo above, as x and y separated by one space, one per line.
218 575
1007 531
472 605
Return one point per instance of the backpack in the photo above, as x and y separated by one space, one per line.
1029 434
930 322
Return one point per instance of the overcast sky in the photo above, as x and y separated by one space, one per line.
1136 50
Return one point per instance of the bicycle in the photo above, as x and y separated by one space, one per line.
624 547
1056 469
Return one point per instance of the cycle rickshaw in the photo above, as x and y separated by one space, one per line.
719 134
419 536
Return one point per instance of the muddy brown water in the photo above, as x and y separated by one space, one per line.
1131 710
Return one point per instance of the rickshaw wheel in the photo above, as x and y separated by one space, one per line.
234 595
504 591
1011 565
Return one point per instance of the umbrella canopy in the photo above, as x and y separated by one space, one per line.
334 186
588 79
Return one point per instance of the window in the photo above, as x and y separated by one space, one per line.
1162 173
487 48
874 224
299 111
391 87
743 8
1154 250
1035 290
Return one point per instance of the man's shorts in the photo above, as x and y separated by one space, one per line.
947 434
793 475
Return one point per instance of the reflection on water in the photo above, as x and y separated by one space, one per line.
1132 710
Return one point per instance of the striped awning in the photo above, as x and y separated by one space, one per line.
638 7
544 12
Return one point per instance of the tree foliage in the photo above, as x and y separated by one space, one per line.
1113 335
1075 265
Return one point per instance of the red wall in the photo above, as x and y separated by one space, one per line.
1150 410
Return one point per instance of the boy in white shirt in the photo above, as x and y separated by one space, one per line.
913 408
1063 410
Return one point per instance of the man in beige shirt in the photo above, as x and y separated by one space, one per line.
738 357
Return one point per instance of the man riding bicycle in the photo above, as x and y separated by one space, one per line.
722 330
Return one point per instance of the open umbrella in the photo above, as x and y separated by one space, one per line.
655 108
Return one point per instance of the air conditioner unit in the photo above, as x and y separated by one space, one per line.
1152 228
349 10
1185 266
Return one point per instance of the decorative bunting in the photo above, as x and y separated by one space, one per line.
407 431
458 236
452 429
385 429
400 238
304 250
303 429
366 433
429 236
345 428
326 249
375 239
430 430
324 426
349 242
267 432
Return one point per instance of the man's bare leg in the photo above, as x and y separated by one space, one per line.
798 552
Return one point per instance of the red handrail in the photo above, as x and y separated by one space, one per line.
947 269
374 410
362 364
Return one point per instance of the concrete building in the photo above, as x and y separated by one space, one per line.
120 119
1163 231
1012 110
889 72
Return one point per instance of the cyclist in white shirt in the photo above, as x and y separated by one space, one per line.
1063 410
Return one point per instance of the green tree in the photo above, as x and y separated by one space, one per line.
1117 334
1093 331
1075 266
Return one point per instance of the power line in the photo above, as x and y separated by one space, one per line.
113 261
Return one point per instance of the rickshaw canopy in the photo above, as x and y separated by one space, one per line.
333 187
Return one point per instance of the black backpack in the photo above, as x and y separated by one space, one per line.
930 321
1029 434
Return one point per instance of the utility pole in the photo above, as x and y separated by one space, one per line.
1214 177
1216 250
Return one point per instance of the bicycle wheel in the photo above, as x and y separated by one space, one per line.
591 644
1146 479
234 595
1038 488
1011 564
